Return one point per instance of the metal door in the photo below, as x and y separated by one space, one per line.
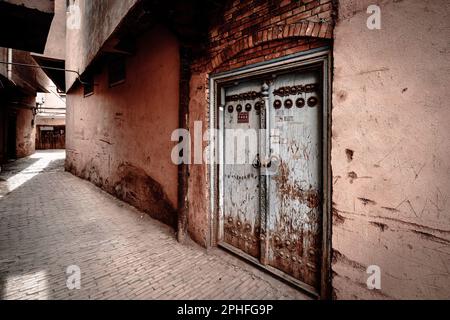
272 208
295 216
240 176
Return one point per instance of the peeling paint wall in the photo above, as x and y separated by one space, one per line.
119 137
390 150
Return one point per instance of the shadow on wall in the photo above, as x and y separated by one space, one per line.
134 186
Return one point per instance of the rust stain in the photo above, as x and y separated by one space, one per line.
287 190
312 199
296 244
242 235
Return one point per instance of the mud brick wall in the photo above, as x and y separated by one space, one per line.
390 150
119 137
244 33
25 131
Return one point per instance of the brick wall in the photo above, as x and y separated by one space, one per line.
251 31
243 33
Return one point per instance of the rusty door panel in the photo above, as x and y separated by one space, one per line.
294 222
241 181
276 218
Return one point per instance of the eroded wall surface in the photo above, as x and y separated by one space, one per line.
119 137
390 150
25 133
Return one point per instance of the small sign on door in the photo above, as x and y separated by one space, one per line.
242 117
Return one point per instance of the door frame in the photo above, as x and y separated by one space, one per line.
321 57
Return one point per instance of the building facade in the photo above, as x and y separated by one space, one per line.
20 76
18 89
347 193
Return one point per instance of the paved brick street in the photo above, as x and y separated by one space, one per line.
50 219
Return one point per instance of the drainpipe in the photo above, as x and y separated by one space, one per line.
9 65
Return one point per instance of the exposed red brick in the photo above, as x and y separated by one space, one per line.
310 28
316 30
323 30
251 32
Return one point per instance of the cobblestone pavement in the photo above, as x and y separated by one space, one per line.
50 219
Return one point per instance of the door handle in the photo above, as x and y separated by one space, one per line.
266 163
256 162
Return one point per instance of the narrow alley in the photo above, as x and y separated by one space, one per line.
50 219
226 150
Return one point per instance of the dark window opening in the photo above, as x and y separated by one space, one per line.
116 71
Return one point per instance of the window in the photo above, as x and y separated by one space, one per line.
116 70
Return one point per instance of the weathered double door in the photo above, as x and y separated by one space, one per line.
271 175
